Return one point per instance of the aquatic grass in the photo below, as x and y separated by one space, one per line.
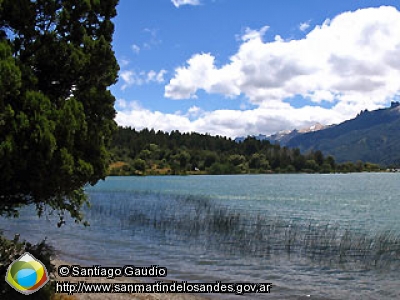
198 221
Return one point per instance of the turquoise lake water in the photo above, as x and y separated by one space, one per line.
312 236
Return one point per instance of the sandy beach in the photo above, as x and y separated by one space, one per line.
110 296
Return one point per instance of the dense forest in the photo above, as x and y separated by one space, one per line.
148 152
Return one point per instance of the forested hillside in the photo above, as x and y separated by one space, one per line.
372 136
148 152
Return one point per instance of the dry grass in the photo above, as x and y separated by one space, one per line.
117 165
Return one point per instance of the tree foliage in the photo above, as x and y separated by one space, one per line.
56 112
149 152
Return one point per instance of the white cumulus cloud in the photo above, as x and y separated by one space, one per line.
231 123
178 3
130 77
304 26
201 72
251 34
136 48
351 61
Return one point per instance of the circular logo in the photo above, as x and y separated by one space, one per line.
27 274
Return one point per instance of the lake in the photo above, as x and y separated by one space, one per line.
332 236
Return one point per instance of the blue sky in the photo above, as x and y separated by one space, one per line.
237 67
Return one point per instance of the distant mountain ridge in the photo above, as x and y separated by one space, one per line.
372 136
284 136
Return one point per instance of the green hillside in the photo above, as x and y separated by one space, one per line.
372 136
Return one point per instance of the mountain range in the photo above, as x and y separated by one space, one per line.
372 136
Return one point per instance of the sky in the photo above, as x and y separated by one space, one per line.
249 67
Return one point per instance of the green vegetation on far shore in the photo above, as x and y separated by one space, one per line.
148 152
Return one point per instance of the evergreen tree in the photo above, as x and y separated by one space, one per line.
56 112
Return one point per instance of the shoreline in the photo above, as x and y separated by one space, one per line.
203 173
120 296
